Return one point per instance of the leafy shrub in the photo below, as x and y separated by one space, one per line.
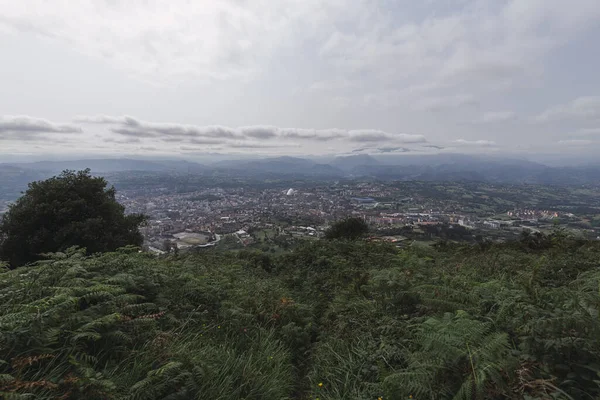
347 229
72 209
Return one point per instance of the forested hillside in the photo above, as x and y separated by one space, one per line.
330 320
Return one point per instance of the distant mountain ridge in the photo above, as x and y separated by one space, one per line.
348 163
279 165
443 167
105 165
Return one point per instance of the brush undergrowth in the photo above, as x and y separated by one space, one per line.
329 320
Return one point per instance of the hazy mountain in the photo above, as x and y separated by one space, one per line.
569 176
326 170
441 167
13 180
283 165
408 159
111 165
183 166
15 177
348 163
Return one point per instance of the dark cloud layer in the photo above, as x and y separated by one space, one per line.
123 141
215 134
28 128
385 149
393 150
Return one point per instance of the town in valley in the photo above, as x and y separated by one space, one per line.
275 215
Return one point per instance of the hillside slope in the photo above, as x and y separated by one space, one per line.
330 320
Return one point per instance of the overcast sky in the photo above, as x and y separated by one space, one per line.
184 77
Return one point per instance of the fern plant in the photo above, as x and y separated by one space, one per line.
455 357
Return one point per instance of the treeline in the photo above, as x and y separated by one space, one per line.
437 232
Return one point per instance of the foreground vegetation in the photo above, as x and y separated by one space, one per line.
329 320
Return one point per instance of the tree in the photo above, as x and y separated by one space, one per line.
348 229
167 246
72 209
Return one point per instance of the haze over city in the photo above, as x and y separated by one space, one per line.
182 79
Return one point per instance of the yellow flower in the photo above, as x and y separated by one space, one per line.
410 396
219 327
380 398
320 384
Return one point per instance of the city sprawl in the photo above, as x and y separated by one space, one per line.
275 214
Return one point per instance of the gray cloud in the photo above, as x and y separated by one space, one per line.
476 143
178 40
588 132
320 135
381 64
575 142
369 135
496 117
130 140
23 127
246 145
444 102
190 148
199 150
582 109
372 135
148 130
99 119
259 132
130 126
385 149
205 141
133 132
393 150
216 134
172 140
